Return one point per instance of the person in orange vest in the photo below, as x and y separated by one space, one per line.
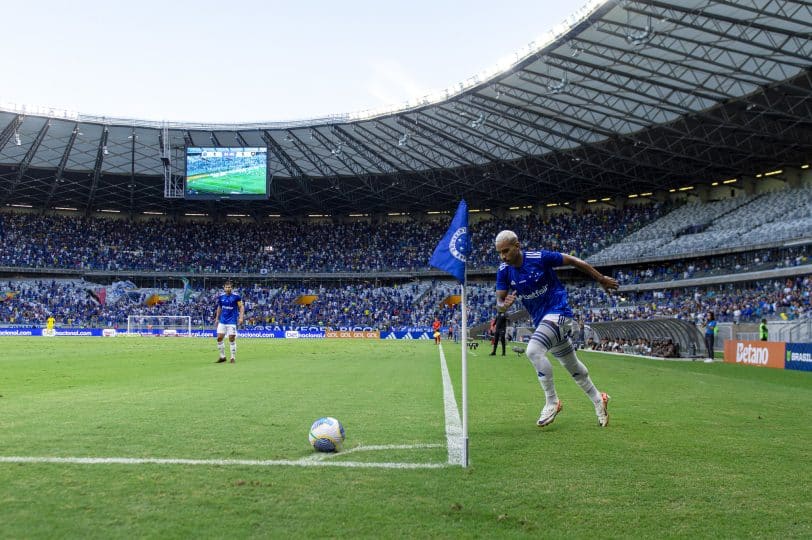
435 326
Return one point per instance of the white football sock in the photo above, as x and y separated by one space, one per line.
222 348
544 369
566 355
233 345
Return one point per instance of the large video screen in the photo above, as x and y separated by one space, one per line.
226 173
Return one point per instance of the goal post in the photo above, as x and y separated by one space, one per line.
159 325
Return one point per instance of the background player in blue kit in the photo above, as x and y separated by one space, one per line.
230 313
530 276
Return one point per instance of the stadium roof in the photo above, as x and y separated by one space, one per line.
632 97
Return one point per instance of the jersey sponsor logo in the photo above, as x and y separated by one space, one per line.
535 294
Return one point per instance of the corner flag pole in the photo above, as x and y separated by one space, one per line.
464 374
449 256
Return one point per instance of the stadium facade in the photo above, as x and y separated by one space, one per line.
627 98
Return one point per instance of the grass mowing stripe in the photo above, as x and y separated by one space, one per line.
453 424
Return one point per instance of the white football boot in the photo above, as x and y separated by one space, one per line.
602 411
548 413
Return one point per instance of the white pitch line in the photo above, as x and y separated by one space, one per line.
219 462
319 456
376 447
453 424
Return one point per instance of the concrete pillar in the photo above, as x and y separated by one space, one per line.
501 212
748 184
793 176
661 195
703 192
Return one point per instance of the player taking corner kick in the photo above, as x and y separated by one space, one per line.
530 277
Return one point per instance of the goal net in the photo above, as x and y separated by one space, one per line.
159 325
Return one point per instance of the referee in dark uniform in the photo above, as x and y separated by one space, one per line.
500 328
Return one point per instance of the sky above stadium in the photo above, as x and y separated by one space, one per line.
255 60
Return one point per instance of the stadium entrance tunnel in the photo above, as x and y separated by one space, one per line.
688 338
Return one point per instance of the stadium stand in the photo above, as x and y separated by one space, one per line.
726 224
78 243
284 252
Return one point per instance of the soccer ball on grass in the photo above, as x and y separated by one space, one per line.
326 434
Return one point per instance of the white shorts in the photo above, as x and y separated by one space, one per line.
555 329
227 329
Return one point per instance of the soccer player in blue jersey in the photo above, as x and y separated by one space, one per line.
530 277
230 313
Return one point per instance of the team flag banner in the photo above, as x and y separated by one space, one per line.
450 253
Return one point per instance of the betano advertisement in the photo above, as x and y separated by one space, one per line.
755 353
797 356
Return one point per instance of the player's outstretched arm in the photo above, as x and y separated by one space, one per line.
607 282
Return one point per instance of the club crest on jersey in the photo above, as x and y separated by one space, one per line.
457 243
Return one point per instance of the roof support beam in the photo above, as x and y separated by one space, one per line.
293 169
10 130
97 171
719 17
61 167
26 162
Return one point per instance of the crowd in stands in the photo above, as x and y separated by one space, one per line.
35 241
744 302
750 261
578 235
371 305
56 241
365 305
728 223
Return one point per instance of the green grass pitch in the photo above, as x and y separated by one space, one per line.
692 449
250 182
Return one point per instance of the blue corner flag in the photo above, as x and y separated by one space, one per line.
450 253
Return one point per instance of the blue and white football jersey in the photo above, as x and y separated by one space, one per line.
229 308
536 284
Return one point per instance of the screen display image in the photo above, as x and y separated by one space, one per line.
234 173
